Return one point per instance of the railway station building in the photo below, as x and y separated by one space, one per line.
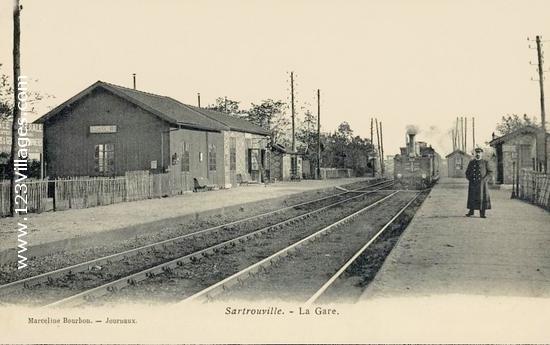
108 130
520 149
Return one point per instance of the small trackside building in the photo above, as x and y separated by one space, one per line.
109 130
457 162
520 149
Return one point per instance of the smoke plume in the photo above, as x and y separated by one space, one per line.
412 129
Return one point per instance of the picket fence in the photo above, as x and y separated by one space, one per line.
535 188
34 199
84 192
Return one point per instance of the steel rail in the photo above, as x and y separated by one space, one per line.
356 255
80 267
208 293
132 279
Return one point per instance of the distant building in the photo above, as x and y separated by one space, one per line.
280 163
457 162
108 130
523 147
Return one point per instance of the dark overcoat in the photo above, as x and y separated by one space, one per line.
478 174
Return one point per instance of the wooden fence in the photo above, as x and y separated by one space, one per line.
535 188
329 173
84 192
34 197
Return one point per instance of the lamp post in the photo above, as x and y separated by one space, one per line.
513 180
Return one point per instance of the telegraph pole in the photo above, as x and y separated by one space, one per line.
542 111
293 165
379 151
382 151
372 145
16 109
465 134
318 134
473 135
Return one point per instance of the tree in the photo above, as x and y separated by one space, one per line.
511 123
306 132
343 150
227 106
270 115
7 100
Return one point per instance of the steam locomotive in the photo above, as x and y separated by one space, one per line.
417 166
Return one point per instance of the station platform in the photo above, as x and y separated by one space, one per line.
443 252
51 232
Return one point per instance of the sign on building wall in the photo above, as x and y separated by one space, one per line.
102 129
34 134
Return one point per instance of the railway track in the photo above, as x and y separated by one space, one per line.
299 272
114 269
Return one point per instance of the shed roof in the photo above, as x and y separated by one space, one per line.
457 152
166 108
522 131
281 148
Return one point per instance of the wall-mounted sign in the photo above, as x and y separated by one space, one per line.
102 129
153 164
33 132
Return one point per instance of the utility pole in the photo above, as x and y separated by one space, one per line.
379 151
293 164
457 135
462 133
465 134
543 113
382 151
16 109
372 144
318 134
473 135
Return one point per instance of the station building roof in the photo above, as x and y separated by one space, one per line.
166 108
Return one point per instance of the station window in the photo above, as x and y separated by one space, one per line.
212 158
233 154
184 156
104 155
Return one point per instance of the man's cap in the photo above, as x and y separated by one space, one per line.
478 149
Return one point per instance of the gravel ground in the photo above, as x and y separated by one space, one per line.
53 226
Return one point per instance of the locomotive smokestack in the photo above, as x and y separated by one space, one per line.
412 145
411 132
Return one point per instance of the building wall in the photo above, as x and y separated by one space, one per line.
142 141
197 144
511 152
457 164
230 177
281 166
139 140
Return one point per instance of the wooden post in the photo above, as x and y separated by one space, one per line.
16 109
513 180
318 134
379 151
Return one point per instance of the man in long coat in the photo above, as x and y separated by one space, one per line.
478 174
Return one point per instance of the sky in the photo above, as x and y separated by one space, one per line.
415 62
